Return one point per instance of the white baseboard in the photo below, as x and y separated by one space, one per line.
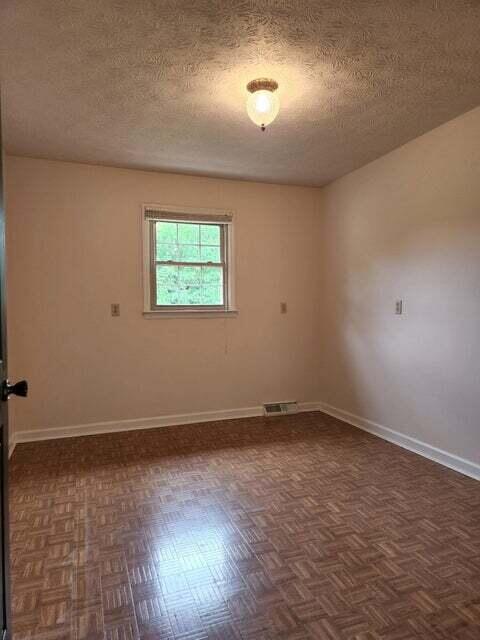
467 467
450 460
144 423
11 445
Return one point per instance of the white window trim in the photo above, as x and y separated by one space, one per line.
230 308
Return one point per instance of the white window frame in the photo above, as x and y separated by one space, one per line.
172 213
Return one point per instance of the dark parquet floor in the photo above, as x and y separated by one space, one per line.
290 528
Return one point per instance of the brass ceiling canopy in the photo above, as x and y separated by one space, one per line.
266 84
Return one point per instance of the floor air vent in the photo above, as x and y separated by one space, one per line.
280 408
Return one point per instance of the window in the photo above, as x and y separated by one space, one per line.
187 260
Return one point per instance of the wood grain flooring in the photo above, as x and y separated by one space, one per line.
290 528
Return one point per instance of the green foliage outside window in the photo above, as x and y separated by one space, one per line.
182 284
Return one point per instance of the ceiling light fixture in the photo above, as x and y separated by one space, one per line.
262 103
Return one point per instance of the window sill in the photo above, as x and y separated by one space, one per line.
232 313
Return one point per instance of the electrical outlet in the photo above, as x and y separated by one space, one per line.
399 307
115 307
283 307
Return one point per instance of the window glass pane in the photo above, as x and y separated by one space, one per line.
166 232
212 281
179 285
212 276
167 274
190 295
210 254
167 252
188 233
210 234
212 295
188 242
167 285
189 276
189 253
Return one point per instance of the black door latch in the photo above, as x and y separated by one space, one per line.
18 389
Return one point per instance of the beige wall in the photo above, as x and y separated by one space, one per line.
407 226
74 247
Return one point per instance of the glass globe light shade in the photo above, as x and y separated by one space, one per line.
263 107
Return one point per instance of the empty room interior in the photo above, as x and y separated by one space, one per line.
240 320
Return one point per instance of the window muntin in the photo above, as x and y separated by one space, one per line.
188 267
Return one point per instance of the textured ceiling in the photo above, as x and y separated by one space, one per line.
160 84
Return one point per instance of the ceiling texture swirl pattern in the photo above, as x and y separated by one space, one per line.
161 84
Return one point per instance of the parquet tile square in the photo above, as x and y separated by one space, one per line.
294 528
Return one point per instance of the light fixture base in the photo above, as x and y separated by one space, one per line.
267 84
